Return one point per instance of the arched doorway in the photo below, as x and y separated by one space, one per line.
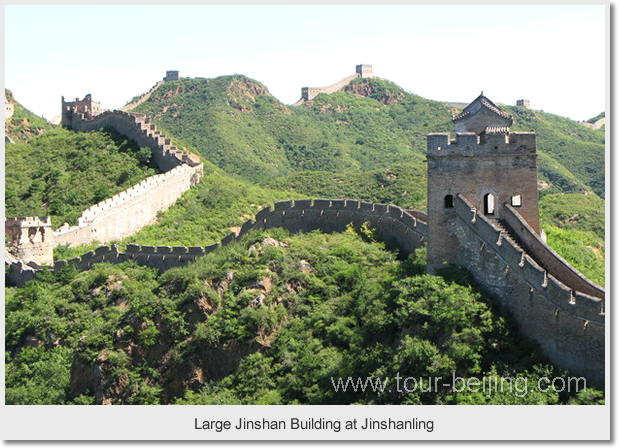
489 204
448 201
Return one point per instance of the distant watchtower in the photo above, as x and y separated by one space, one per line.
486 164
364 71
172 75
524 103
9 109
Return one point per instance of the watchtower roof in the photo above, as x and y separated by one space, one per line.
482 102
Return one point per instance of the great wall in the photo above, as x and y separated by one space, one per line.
309 93
476 219
142 99
123 214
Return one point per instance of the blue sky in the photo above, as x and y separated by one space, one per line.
552 55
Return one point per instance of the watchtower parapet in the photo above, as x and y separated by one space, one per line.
524 103
469 144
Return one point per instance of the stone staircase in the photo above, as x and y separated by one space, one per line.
506 231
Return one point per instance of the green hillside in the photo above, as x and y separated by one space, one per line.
402 184
371 125
235 123
596 118
61 173
272 319
24 125
575 227
579 149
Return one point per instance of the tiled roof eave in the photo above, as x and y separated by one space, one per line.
460 116
496 110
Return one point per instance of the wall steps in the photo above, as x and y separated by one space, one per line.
507 232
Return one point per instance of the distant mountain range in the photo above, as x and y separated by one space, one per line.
372 124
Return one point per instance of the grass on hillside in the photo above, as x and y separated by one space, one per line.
581 150
24 125
575 228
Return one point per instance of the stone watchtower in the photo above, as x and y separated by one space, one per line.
364 71
87 106
486 164
30 239
9 109
172 75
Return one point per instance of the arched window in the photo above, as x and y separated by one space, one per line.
448 201
516 200
489 204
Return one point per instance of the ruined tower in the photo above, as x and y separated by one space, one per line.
87 106
486 164
30 239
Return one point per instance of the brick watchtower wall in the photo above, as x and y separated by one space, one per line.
9 110
490 171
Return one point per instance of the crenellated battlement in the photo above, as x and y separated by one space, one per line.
394 225
473 145
145 187
27 221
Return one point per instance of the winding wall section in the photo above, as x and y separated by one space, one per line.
567 323
553 303
127 212
132 105
394 225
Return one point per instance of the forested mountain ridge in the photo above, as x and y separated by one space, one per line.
371 124
282 314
